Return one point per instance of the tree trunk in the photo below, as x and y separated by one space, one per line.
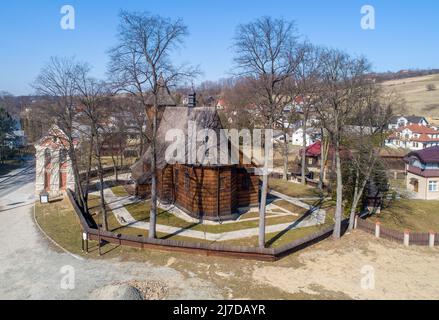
322 162
101 191
141 144
153 212
304 153
354 200
324 149
78 183
264 191
101 181
359 190
88 171
262 208
285 157
114 160
339 204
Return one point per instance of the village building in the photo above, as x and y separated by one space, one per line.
393 160
404 121
312 135
413 137
423 173
54 174
211 191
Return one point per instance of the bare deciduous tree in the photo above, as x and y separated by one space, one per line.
266 54
92 96
373 110
56 82
342 81
306 87
141 64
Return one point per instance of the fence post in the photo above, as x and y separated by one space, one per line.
406 238
85 242
431 239
377 229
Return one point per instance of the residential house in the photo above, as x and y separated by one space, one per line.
404 121
393 159
413 137
16 139
423 173
312 136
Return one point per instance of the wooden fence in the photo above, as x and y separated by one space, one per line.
89 228
107 171
407 238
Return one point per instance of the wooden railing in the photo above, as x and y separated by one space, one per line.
89 227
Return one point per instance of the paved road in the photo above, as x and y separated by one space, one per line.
31 269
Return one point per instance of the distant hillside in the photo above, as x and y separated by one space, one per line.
421 95
403 74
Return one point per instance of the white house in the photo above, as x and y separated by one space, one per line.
404 121
54 173
311 136
413 137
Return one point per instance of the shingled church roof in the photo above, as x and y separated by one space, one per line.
178 117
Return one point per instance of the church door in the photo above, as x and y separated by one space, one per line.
47 181
63 181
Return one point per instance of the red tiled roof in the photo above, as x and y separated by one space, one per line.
425 138
416 128
313 150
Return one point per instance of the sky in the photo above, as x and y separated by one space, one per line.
405 35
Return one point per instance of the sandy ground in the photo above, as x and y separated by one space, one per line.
361 268
32 268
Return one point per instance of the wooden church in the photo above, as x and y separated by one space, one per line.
205 191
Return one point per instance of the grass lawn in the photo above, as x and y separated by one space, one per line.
291 189
108 161
282 238
140 212
119 191
413 215
290 207
60 222
250 215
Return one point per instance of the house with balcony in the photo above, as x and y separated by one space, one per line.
404 121
413 137
422 168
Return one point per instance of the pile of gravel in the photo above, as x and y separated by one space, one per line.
117 292
132 290
151 290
